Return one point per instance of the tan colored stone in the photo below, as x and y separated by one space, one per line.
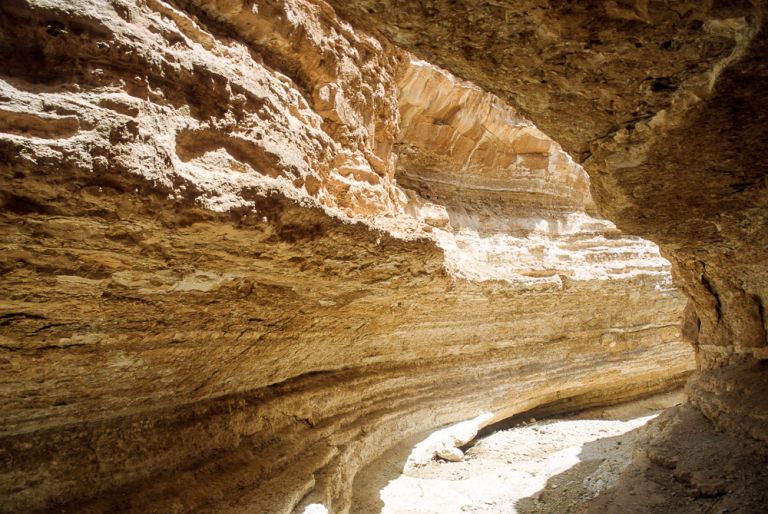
219 292
664 105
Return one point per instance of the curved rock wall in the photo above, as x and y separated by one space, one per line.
506 202
664 105
245 249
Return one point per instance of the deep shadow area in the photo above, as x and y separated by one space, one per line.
618 409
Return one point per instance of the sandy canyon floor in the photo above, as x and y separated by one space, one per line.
547 466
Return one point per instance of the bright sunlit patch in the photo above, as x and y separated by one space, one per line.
512 465
445 442
315 508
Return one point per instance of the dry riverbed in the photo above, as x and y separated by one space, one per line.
545 466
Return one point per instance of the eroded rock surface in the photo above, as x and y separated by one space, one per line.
664 104
245 249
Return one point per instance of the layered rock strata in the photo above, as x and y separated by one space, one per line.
664 105
246 248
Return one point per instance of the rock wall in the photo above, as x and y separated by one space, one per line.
664 105
246 248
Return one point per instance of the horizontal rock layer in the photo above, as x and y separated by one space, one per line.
664 105
246 249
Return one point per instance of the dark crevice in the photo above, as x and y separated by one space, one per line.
763 323
709 287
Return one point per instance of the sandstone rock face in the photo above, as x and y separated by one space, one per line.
506 201
246 248
664 105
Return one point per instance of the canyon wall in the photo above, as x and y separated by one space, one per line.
664 105
246 248
661 103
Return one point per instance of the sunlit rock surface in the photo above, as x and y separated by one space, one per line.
664 104
246 248
513 204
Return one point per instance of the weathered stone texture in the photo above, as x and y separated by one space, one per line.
664 104
661 102
245 249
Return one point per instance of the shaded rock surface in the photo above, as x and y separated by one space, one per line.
668 474
664 104
245 249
